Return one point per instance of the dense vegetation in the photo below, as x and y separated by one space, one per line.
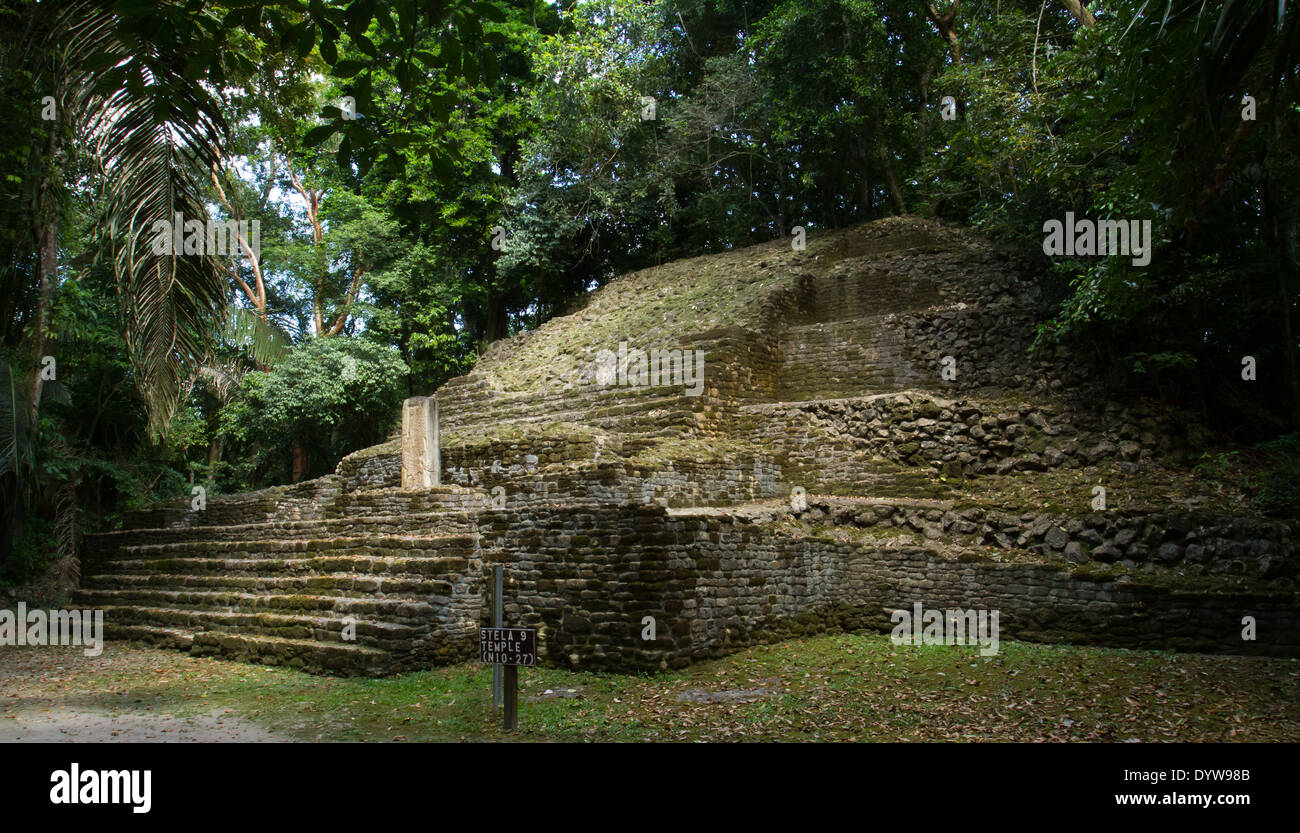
383 146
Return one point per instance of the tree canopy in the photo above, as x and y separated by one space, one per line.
428 177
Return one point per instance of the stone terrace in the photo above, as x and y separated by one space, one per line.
827 474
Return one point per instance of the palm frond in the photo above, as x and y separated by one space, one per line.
223 379
153 132
56 392
249 333
67 536
17 451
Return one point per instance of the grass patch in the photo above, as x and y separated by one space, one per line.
846 687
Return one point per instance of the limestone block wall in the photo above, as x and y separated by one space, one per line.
857 287
989 345
738 478
377 467
301 501
1197 543
447 501
741 365
454 595
474 462
586 577
827 440
885 320
838 358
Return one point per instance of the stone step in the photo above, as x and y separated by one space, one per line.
268 507
375 565
301 501
592 405
328 584
323 628
457 543
394 501
627 420
429 523
404 611
307 655
161 637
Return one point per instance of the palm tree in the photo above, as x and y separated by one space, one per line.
129 89
153 132
113 92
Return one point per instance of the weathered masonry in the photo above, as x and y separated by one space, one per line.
610 503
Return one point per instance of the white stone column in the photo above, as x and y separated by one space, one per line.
421 447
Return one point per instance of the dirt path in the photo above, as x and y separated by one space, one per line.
59 695
67 725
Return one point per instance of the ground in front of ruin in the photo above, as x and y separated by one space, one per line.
840 687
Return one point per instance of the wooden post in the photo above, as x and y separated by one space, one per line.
498 614
512 698
511 647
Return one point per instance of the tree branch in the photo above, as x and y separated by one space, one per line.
1081 14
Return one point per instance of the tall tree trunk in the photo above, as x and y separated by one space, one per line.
1278 240
947 26
498 321
1080 13
47 237
216 449
895 192
782 215
47 270
299 460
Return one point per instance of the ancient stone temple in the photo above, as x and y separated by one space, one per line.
868 433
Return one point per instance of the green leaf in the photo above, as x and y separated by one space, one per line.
319 134
491 71
451 56
358 17
366 45
347 68
442 167
490 11
99 61
306 40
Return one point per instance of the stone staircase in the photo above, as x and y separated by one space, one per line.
368 587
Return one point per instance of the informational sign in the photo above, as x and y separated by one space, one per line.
508 646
